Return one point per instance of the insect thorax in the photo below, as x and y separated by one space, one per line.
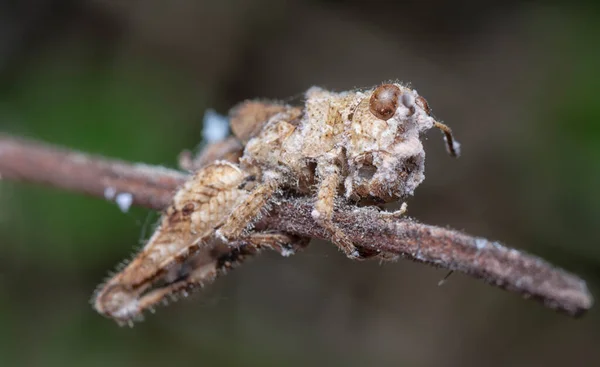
379 151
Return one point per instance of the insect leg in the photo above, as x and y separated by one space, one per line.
208 265
283 243
200 205
397 213
247 211
330 178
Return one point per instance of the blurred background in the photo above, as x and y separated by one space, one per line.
517 81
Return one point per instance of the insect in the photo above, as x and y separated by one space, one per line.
183 254
361 147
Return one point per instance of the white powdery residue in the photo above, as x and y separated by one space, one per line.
419 256
514 253
286 252
359 210
315 214
78 158
215 126
219 235
348 186
498 246
524 281
127 310
124 201
109 193
409 147
423 121
403 208
456 147
481 243
271 175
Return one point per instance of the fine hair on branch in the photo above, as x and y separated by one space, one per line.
153 187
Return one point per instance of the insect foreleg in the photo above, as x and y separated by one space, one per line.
329 176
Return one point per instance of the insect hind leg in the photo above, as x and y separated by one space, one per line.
248 211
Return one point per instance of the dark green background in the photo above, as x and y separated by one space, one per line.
518 82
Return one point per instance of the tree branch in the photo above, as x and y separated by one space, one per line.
28 161
152 187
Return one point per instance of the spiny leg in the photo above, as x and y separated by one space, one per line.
200 205
207 266
330 178
247 211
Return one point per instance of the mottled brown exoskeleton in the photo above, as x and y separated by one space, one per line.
362 146
183 253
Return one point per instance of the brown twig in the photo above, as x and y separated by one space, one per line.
152 187
28 161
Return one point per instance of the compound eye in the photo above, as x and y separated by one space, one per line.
384 101
422 102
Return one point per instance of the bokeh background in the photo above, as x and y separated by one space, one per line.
517 81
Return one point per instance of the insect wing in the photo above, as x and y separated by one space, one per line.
201 205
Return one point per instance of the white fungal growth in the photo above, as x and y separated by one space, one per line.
481 243
419 256
286 252
498 246
221 237
124 201
315 214
456 147
109 193
127 310
215 127
514 253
